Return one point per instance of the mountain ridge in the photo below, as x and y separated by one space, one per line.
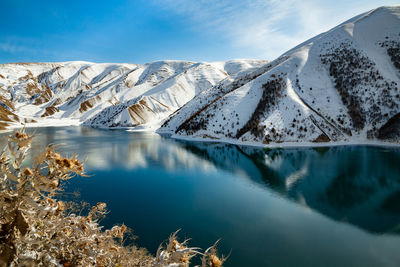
340 86
76 92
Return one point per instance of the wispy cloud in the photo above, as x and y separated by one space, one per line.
267 28
13 45
27 49
9 47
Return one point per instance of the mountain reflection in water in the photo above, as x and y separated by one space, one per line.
266 204
347 183
356 184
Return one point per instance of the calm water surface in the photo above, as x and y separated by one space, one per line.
337 206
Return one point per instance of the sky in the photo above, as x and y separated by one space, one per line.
140 31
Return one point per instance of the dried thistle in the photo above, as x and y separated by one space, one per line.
210 257
36 229
175 252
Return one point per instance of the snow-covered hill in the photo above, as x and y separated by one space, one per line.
342 85
106 95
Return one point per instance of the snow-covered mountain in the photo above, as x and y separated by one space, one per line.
342 85
106 95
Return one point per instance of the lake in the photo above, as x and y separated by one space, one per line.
337 206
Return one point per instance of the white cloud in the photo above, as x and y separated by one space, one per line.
266 28
9 48
21 48
13 46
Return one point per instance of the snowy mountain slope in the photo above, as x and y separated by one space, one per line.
161 100
106 95
343 85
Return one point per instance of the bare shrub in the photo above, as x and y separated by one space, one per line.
36 229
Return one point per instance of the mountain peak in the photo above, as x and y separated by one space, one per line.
340 86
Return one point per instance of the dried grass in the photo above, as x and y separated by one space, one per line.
36 229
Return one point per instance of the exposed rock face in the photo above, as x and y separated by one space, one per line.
390 131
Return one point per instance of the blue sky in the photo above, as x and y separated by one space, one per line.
140 31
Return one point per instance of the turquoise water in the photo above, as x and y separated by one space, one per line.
337 206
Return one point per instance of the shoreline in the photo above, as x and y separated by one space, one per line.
76 123
286 144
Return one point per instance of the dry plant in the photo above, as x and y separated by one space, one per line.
36 229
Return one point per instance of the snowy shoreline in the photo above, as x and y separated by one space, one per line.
75 123
44 123
374 143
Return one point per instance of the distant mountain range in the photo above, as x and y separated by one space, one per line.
106 95
340 86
